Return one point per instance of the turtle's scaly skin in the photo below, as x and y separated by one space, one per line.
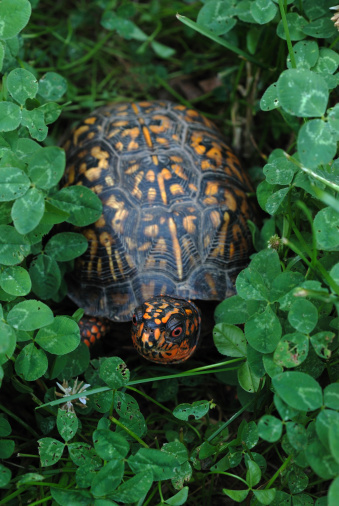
175 208
166 329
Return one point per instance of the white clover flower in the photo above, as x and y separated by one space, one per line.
75 389
335 18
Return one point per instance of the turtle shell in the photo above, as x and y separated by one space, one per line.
175 208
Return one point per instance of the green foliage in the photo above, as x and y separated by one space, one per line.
274 65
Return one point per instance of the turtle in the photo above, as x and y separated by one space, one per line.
174 227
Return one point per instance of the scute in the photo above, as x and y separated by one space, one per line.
175 208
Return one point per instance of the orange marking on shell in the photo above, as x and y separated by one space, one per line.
179 171
147 136
132 145
176 189
90 121
231 250
176 246
189 224
212 188
151 195
94 329
192 113
162 140
166 173
92 174
120 123
113 133
151 230
220 249
150 176
99 153
206 165
211 283
230 201
215 218
162 188
215 153
79 131
92 339
135 108
87 343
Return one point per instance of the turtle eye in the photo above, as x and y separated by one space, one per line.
176 332
134 319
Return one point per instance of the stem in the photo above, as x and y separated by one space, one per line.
129 432
226 424
149 398
287 34
278 472
219 40
318 269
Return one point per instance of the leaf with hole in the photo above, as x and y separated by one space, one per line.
306 53
114 372
270 100
291 350
197 409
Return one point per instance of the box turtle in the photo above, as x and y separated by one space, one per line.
174 223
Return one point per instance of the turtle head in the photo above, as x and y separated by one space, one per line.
166 329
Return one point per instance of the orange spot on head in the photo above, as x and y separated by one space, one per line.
92 339
87 343
157 321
